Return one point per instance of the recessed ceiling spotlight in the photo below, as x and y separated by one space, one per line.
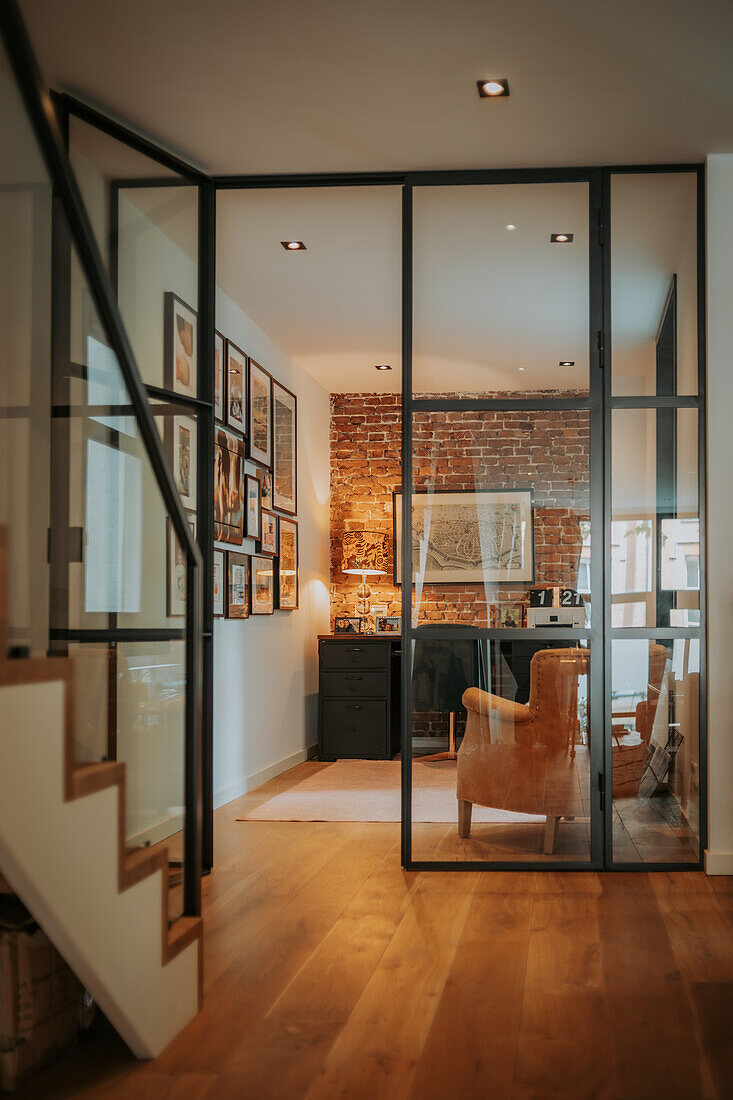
561 238
510 227
566 363
293 246
491 89
382 366
522 368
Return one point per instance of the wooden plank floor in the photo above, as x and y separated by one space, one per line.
332 973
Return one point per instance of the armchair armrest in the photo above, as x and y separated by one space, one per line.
503 709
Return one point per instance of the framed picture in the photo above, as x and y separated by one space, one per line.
219 583
388 624
345 624
287 565
263 585
237 585
268 538
219 377
253 525
236 403
180 371
377 611
284 450
176 571
507 615
265 478
228 487
181 446
470 536
260 414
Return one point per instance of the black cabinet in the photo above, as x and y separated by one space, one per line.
359 696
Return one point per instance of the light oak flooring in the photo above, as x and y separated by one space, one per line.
330 972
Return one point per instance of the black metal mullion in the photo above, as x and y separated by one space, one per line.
606 723
406 534
702 508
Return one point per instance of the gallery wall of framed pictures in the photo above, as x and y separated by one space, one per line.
255 487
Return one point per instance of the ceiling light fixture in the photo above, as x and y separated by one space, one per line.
510 227
382 366
561 238
566 363
492 89
293 246
522 368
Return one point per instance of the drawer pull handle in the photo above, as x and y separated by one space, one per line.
354 677
354 706
354 649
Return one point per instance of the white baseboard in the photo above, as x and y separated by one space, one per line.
161 830
228 794
718 863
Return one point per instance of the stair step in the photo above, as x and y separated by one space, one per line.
88 778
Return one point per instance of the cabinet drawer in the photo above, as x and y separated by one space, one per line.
342 685
354 729
354 654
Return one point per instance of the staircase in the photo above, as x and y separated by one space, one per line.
62 849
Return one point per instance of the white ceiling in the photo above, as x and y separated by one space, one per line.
325 85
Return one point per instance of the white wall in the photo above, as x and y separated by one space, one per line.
266 667
719 855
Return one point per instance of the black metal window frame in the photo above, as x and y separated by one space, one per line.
599 404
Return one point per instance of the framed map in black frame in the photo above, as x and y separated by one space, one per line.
469 536
284 450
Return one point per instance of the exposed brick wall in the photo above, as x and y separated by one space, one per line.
492 450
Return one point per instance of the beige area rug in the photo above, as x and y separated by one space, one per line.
369 790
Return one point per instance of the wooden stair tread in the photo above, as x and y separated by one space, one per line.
88 778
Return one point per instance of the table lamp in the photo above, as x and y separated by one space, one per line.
364 552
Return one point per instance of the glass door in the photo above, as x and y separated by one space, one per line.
500 521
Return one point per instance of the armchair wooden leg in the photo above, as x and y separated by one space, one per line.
464 818
550 830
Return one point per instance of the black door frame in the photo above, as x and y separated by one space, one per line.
599 404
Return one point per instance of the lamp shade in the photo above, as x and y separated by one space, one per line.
365 552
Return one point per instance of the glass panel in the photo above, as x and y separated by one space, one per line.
517 711
655 525
654 283
656 750
499 307
146 221
91 543
501 519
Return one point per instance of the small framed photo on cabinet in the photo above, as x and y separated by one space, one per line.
253 524
263 585
219 582
236 404
268 538
219 377
180 368
237 585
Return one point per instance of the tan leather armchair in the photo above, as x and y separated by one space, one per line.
523 758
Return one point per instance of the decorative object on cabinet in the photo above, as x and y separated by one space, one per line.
253 524
359 697
181 447
176 571
236 388
468 536
180 369
268 538
228 487
287 565
388 624
260 414
345 624
263 585
506 615
364 553
219 378
237 585
284 450
219 584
